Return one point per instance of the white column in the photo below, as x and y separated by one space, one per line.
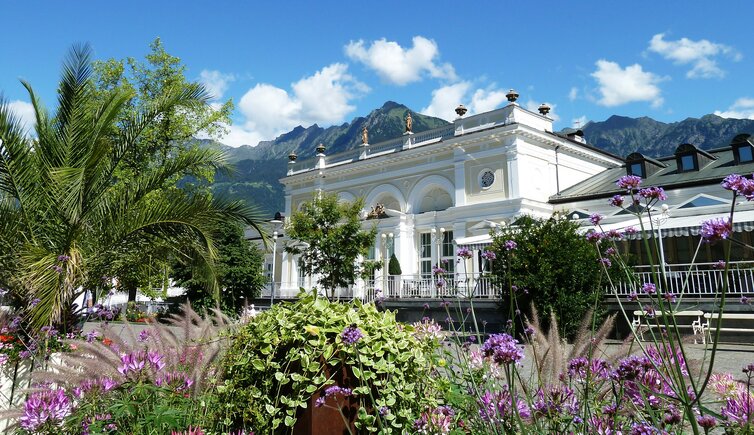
512 174
459 159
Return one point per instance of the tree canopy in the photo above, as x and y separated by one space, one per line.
327 236
68 216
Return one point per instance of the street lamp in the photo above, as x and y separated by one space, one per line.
387 238
438 239
659 221
277 220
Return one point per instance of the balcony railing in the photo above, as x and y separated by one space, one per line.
698 280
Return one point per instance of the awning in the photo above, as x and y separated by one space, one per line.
474 242
684 225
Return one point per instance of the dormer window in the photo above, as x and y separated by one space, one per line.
690 158
743 149
687 162
641 166
637 169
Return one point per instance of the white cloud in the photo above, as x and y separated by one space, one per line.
25 113
579 122
743 108
215 82
399 65
534 107
700 54
268 111
446 98
573 93
626 85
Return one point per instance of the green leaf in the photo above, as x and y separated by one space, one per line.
290 421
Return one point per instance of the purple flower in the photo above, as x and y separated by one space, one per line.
437 421
605 261
63 258
716 229
57 268
503 349
630 230
657 193
554 401
45 407
706 421
144 335
177 381
744 300
437 270
669 296
645 429
464 253
384 410
330 392
596 368
132 362
510 245
156 360
649 288
633 296
596 218
616 201
440 283
629 182
740 185
426 306
489 255
594 236
35 302
529 331
444 304
351 335
610 251
498 407
720 265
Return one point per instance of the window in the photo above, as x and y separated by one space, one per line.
425 254
744 154
686 162
703 201
637 169
447 254
486 179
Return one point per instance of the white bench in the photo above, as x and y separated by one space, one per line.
724 318
696 325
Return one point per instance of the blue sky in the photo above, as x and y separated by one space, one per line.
291 63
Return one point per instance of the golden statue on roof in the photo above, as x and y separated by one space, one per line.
409 123
365 136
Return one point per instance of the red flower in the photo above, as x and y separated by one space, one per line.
106 341
6 338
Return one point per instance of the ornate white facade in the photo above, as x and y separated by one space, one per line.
446 187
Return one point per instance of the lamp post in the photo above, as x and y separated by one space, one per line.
277 220
659 221
438 238
387 238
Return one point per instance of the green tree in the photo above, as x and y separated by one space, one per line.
239 272
146 82
169 137
554 264
68 220
329 240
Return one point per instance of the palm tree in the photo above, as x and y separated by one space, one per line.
67 219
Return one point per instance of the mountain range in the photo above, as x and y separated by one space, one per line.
258 168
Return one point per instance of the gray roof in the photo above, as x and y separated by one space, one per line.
603 184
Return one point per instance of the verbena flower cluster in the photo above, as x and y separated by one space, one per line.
351 335
503 349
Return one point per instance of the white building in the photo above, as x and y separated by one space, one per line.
438 190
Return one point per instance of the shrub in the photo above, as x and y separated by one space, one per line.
551 265
286 357
394 266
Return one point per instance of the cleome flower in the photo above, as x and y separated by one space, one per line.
45 408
